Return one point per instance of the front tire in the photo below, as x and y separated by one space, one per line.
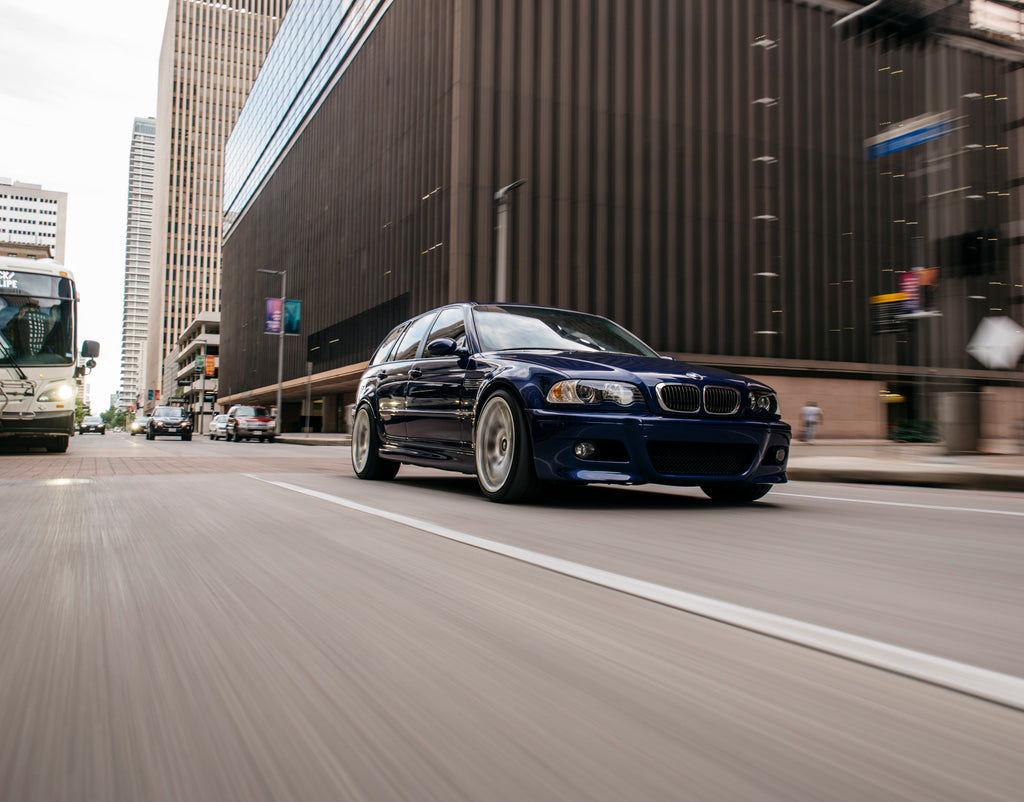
735 494
57 445
504 458
366 460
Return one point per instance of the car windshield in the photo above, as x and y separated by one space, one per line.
36 320
168 412
92 419
252 412
513 328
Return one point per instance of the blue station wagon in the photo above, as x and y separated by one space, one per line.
523 395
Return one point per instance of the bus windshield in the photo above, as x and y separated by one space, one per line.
36 319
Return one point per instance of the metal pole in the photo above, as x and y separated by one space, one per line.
202 391
501 268
309 394
280 351
503 199
280 341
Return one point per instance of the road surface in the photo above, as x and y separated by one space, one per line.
245 621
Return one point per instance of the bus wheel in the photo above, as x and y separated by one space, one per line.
57 445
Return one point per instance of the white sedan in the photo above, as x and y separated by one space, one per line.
218 427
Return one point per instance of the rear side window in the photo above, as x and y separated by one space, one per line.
410 342
381 355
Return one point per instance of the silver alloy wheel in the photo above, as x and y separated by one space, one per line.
495 444
361 440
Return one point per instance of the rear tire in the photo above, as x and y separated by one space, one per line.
504 456
366 460
735 494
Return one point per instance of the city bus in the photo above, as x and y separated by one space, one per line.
39 370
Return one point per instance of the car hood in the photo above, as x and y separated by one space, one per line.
254 419
167 419
650 371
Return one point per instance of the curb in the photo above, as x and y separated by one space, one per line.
951 480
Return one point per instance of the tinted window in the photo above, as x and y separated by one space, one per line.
381 355
449 323
509 328
251 412
410 342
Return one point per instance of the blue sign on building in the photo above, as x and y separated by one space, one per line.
908 133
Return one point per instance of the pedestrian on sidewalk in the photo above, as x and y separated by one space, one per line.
810 416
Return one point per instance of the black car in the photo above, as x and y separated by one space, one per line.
92 423
523 394
169 422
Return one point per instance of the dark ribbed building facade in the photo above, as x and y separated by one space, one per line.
695 170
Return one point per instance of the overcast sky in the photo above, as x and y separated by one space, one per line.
74 75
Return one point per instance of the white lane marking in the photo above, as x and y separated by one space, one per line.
902 504
979 682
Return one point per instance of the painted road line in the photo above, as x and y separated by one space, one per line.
928 507
978 682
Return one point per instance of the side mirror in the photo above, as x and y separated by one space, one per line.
442 346
90 349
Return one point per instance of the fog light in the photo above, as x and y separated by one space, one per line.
584 449
780 455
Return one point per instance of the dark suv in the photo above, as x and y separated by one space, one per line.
169 421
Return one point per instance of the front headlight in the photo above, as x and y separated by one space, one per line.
58 392
588 391
763 402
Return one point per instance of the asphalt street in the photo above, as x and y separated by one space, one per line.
191 621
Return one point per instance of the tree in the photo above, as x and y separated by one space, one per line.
114 418
81 410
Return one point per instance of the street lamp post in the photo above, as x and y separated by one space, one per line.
280 344
503 201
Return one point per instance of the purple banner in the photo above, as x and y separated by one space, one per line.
274 319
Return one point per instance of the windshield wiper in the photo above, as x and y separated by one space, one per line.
10 358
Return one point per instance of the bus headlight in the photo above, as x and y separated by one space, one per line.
58 392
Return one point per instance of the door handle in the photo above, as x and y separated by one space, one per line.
415 373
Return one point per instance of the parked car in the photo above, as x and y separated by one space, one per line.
523 394
169 421
218 427
92 423
139 425
246 422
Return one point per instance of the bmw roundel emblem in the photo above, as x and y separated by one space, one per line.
692 375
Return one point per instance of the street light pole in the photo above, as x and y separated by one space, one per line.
503 201
280 344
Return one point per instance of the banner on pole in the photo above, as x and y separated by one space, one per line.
274 318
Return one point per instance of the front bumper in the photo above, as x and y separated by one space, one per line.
37 423
255 429
163 429
637 449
